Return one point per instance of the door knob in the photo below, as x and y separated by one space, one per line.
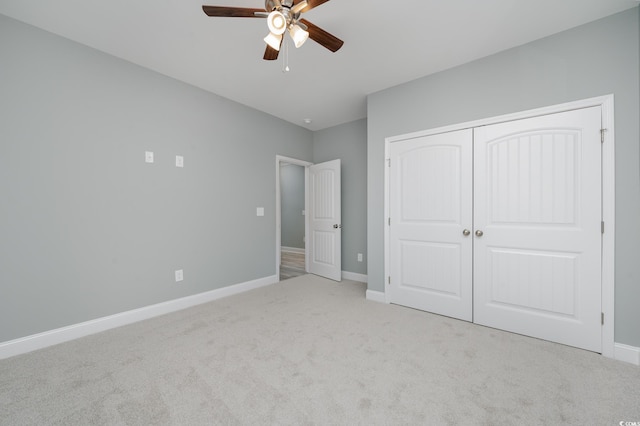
466 232
336 226
479 233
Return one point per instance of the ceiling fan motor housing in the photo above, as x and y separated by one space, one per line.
271 5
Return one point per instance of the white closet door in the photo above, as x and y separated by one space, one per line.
537 264
430 207
325 248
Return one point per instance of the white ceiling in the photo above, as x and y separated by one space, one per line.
386 43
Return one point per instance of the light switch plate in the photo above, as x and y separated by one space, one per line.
179 161
179 275
148 156
359 257
260 211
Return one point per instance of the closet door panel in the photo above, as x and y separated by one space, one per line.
430 206
537 262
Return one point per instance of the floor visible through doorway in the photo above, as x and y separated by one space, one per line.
291 265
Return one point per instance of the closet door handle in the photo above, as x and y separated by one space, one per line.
466 232
479 233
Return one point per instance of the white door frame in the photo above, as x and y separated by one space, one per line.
287 160
608 195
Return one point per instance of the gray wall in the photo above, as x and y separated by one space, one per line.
292 205
87 229
348 142
596 59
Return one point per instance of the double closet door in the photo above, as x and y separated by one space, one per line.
501 225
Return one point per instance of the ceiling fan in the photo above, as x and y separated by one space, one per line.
282 15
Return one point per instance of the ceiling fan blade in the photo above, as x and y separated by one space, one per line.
310 4
271 54
322 37
232 12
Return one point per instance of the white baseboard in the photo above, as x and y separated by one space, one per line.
376 296
361 278
75 331
626 353
293 249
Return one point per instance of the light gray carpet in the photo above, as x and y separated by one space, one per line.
312 351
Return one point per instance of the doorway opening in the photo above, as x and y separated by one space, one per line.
322 217
291 223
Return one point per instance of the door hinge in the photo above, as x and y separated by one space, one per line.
388 162
602 135
602 227
389 279
601 318
389 221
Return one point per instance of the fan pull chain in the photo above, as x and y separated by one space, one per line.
285 63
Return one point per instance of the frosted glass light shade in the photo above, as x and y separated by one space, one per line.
298 35
273 40
277 22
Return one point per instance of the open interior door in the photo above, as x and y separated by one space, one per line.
325 248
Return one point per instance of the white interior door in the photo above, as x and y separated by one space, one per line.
537 263
430 191
325 247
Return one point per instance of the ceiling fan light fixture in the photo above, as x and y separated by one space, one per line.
298 35
282 16
277 22
273 40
